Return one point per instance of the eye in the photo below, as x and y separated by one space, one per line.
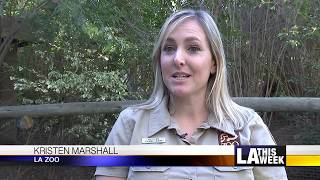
168 48
193 49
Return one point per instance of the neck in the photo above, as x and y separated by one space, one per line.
188 109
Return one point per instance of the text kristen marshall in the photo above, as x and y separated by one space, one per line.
72 150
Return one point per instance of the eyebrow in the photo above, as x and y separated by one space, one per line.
188 39
192 38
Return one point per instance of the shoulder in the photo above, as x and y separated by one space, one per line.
249 117
131 117
132 114
254 119
123 128
256 130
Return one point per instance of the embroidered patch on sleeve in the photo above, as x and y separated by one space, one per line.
228 139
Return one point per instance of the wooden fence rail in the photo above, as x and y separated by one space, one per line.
274 104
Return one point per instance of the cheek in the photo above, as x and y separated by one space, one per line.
203 72
164 66
202 66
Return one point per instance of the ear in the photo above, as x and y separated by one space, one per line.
213 69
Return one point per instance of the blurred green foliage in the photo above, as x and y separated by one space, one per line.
100 50
93 50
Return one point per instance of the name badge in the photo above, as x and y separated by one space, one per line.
153 140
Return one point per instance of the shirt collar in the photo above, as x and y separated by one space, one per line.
226 126
160 119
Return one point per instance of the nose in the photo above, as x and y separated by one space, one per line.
178 58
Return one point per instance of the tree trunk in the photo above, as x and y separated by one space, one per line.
8 128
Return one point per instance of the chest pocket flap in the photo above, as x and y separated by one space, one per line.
232 168
234 173
149 168
148 172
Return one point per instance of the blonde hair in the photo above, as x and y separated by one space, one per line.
218 100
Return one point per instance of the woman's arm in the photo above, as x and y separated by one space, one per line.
108 178
260 135
120 135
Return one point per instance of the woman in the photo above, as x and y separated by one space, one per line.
190 104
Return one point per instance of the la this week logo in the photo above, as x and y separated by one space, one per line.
260 155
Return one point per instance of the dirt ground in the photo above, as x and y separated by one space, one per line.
28 172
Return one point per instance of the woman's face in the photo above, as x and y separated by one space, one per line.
186 60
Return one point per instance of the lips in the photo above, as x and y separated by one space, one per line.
180 75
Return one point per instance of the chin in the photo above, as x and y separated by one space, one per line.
179 93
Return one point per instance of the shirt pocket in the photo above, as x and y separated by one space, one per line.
148 172
234 172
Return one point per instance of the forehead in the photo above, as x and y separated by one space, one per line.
189 28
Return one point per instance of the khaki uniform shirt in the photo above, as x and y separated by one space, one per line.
133 125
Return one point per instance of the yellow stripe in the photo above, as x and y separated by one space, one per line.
303 160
